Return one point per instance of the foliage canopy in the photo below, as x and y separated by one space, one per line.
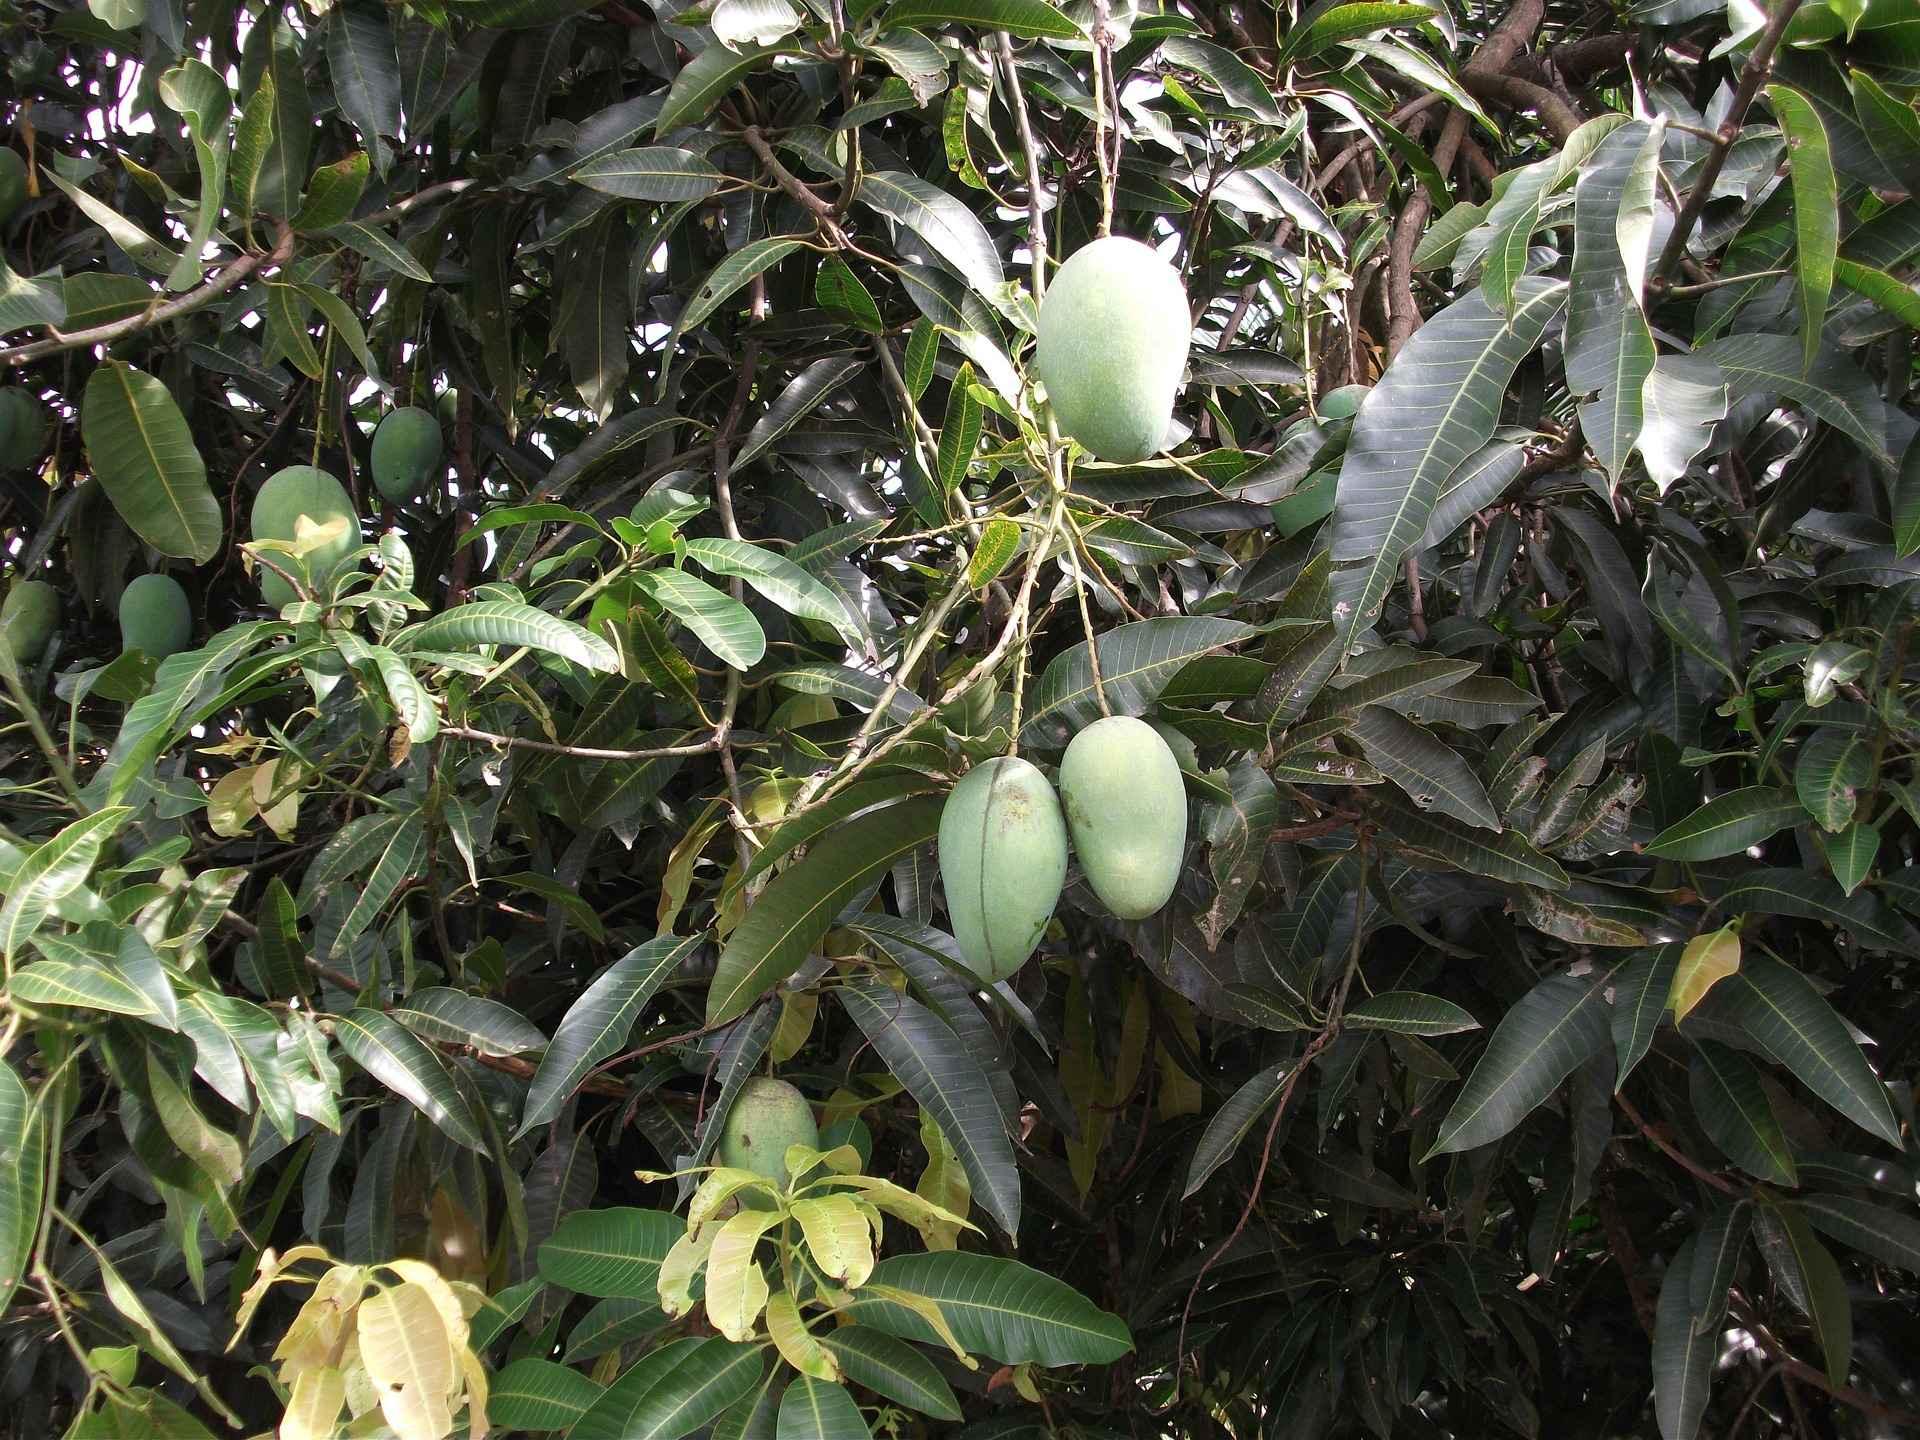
1526 588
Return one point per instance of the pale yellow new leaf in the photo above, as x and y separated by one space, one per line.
406 1349
314 1405
476 1377
903 1204
684 1261
797 1012
837 1234
270 1272
929 1311
313 1340
796 1346
944 1183
720 1186
442 1294
736 1286
1707 960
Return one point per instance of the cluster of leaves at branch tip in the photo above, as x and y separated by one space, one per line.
1003 839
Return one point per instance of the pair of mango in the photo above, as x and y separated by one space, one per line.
1003 839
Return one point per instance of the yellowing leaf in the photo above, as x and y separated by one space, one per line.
684 1261
721 1185
796 1346
440 1292
406 1349
736 1287
837 1234
1707 960
944 1182
797 1012
314 1405
313 1339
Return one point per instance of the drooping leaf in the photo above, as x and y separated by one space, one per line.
995 1307
1437 404
141 449
1539 1042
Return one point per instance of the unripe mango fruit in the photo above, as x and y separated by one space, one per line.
155 618
1114 330
1003 859
289 495
23 426
1127 808
768 1115
406 452
28 617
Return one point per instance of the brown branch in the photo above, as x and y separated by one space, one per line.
1556 114
821 209
1495 54
1627 1256
1673 1152
198 298
1759 65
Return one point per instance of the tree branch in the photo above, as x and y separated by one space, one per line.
198 298
579 752
1759 65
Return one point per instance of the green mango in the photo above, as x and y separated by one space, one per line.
28 617
297 492
23 426
155 618
407 450
768 1115
1114 331
1127 808
13 183
1003 859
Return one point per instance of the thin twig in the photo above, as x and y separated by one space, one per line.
1672 1152
1759 65
197 298
579 752
1036 206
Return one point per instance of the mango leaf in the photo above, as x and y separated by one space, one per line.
1438 403
1549 1033
141 450
1136 662
536 1394
1889 1235
700 86
673 1391
1779 1008
1727 824
23 1147
598 1023
1030 19
509 622
1407 1012
388 1051
1706 960
654 172
1816 208
52 870
804 900
610 1253
994 1307
814 1409
1232 1122
724 625
946 1078
1732 1107
891 1368
1682 1356
1641 992
775 577
1432 772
